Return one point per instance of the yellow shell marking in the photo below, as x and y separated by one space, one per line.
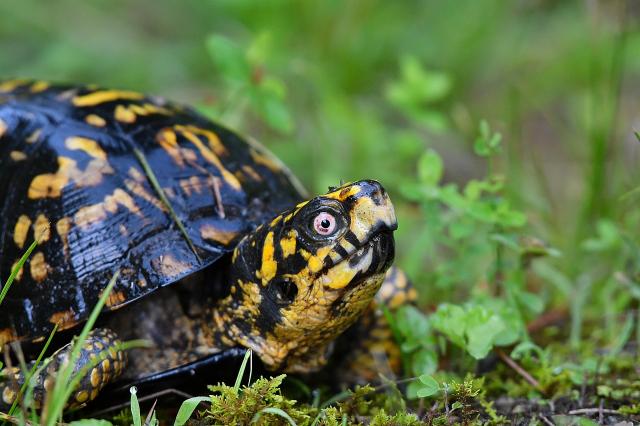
115 298
3 128
51 184
95 377
169 266
21 230
64 319
11 85
39 86
168 140
213 139
8 395
39 267
42 228
63 226
82 396
95 120
138 189
249 171
269 265
94 213
102 96
18 155
209 232
89 146
210 156
124 114
33 137
266 160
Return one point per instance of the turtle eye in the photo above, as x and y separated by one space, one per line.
324 224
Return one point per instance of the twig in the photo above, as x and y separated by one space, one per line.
446 402
546 420
521 371
593 411
546 319
600 413
218 195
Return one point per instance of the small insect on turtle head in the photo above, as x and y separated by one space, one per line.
305 277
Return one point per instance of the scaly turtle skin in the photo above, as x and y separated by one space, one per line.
117 181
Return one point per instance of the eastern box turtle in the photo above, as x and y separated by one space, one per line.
111 180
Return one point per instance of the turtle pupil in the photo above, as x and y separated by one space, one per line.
325 223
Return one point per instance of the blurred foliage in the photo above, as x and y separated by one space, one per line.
504 131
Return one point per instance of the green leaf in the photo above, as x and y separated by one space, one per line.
523 348
187 408
424 361
135 407
450 320
481 330
608 237
429 386
456 406
274 112
487 143
412 389
531 301
430 168
229 58
260 48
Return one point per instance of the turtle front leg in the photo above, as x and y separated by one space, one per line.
100 359
369 346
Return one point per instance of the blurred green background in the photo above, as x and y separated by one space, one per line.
394 90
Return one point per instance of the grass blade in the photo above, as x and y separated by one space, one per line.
187 408
62 389
16 269
135 407
36 364
156 186
243 366
274 411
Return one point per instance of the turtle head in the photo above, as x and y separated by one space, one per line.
304 278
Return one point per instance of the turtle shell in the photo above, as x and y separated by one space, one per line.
77 166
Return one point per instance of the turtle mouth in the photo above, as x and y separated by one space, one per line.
382 249
375 256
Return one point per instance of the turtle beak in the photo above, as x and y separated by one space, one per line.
371 211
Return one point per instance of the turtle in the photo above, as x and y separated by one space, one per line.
212 242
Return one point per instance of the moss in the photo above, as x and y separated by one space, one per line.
233 406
